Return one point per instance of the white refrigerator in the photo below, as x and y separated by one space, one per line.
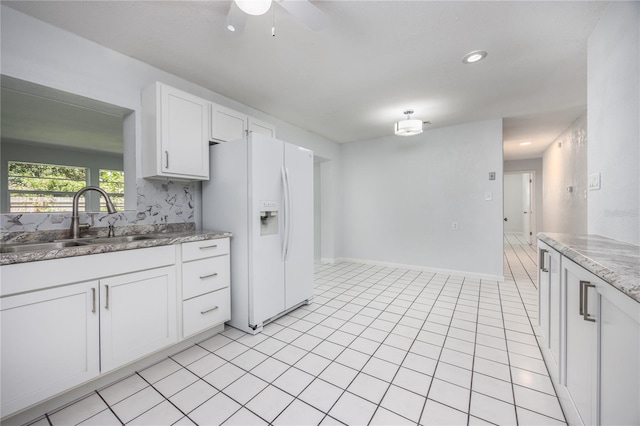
261 189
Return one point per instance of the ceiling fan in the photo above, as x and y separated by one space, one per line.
303 10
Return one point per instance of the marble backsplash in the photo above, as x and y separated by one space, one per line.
158 203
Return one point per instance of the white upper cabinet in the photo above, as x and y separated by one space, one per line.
227 124
262 128
175 134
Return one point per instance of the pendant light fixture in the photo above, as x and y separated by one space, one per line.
408 127
254 7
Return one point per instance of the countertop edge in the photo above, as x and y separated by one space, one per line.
621 277
171 238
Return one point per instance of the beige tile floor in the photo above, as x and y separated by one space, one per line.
379 345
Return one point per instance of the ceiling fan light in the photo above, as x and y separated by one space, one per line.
254 7
408 127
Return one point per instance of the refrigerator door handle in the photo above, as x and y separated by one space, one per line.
285 187
288 213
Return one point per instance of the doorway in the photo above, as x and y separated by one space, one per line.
518 204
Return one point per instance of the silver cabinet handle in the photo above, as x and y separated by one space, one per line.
208 247
106 302
543 267
206 311
202 277
584 300
93 294
166 159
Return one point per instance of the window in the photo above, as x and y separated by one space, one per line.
112 181
35 188
45 188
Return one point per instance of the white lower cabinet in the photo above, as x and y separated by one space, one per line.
581 340
549 297
137 315
63 324
619 381
598 342
49 343
205 285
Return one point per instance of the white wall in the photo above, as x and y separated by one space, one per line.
532 165
613 97
513 195
400 196
564 165
41 53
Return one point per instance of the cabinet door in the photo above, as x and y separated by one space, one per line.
554 266
137 315
262 128
543 290
49 343
619 358
184 134
227 124
580 364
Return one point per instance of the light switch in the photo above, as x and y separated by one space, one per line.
488 196
594 181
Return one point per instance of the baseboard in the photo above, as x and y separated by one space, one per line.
499 278
328 260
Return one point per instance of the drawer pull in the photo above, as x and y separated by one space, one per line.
208 247
208 276
584 300
206 311
93 291
543 267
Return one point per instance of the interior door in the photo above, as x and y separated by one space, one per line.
299 247
266 272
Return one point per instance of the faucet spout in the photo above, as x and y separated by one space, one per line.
75 218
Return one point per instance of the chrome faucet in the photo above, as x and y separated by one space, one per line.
75 219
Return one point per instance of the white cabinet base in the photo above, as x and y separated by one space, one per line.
138 315
55 347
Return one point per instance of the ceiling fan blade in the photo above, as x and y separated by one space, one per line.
237 18
306 13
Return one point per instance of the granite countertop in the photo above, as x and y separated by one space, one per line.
157 239
615 262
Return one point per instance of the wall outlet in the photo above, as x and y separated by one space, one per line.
454 226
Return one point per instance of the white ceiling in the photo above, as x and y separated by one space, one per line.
352 80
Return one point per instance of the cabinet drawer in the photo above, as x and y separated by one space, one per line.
205 311
206 248
204 276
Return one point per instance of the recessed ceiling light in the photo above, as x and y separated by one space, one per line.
525 143
475 56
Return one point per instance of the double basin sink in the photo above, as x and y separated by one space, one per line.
61 244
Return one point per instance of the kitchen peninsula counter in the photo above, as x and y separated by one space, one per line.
616 262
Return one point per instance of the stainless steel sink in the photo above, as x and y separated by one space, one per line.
52 245
121 239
